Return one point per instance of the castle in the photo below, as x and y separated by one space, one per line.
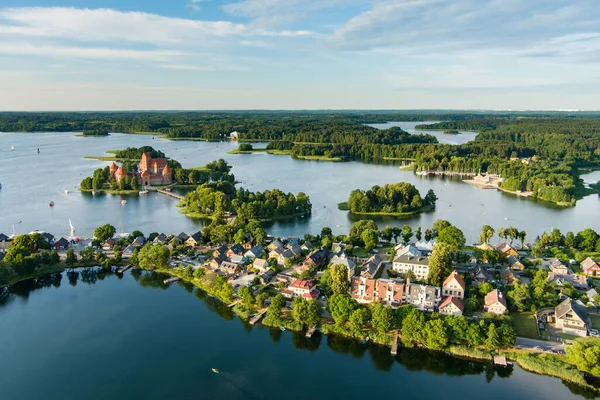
150 171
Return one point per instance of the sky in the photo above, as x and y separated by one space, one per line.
299 54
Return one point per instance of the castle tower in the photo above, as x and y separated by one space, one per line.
145 178
145 162
120 174
113 168
167 174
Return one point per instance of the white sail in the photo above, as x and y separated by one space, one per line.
72 227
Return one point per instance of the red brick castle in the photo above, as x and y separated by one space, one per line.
150 171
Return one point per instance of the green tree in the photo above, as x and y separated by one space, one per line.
340 307
410 275
452 236
439 225
371 238
274 311
440 264
485 288
407 233
520 297
436 335
492 342
54 257
104 232
313 313
260 299
507 335
387 233
418 234
240 237
358 320
357 228
338 279
299 309
487 232
153 256
585 354
382 318
570 240
429 234
413 326
71 257
245 294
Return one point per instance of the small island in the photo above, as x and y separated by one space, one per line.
397 200
95 132
452 132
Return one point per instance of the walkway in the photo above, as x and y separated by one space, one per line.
170 194
544 345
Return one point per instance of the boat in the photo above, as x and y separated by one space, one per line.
0 186
66 191
12 148
216 371
72 227
167 189
123 202
95 192
51 204
144 192
282 328
38 151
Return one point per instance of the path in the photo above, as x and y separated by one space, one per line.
545 345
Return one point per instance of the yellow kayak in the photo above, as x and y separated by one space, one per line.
216 371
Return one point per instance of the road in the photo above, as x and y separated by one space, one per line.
529 344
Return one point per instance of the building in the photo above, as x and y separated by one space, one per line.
162 238
371 267
151 171
61 244
183 237
307 246
408 249
235 249
506 250
237 259
367 290
515 263
579 282
558 268
451 306
254 252
418 265
480 275
301 288
261 265
3 237
317 259
454 285
343 259
590 267
423 297
495 302
571 318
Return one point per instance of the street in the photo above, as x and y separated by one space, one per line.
545 345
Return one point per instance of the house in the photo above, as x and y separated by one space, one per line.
276 252
317 258
423 297
371 267
579 282
3 237
425 247
234 135
139 241
480 275
215 263
507 275
237 259
307 246
590 267
274 244
254 252
301 288
294 248
266 276
128 251
235 249
220 252
261 265
343 259
506 250
229 268
515 263
591 294
48 237
408 249
183 237
367 290
454 285
571 318
194 240
451 306
418 265
61 244
286 255
108 244
162 238
558 268
495 302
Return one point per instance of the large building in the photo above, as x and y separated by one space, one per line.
151 171
394 293
416 264
454 285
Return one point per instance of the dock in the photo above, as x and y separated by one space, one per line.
173 279
170 194
120 271
258 317
311 331
238 301
394 350
501 361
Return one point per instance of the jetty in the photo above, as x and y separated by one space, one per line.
258 317
394 350
170 194
311 331
238 301
121 270
501 361
173 279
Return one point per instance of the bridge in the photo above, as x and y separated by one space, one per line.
170 194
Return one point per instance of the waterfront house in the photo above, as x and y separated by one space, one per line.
307 246
194 240
454 285
139 241
367 290
571 318
505 250
558 268
276 252
425 247
301 288
590 267
294 248
61 244
515 263
183 237
237 259
418 265
480 275
495 302
3 237
316 259
108 244
274 244
254 252
4 246
409 249
162 239
343 259
48 237
451 306
371 267
362 289
261 265
423 297
128 251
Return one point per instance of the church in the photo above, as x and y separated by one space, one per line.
150 171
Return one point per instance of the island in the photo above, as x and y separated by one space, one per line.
452 132
397 200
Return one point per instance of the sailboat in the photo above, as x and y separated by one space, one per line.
72 227
216 371
12 148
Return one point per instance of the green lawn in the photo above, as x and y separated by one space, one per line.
524 325
595 321
360 252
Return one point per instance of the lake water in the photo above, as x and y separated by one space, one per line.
463 137
31 180
105 337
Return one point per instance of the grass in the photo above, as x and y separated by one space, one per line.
343 206
397 214
236 151
595 321
319 158
566 336
360 252
525 325
470 352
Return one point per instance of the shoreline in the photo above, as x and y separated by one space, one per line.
344 207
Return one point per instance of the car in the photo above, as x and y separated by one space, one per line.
537 348
594 331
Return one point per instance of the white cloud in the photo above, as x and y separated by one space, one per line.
54 51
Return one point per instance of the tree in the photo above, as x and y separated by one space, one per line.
382 318
338 279
117 256
413 325
340 307
299 308
136 234
507 336
387 233
260 299
428 234
313 313
407 233
570 240
274 311
410 275
487 232
439 225
519 297
153 256
585 354
247 298
452 236
104 232
54 257
240 237
371 238
436 335
418 234
440 264
485 288
396 233
358 320
288 262
492 342
357 228
71 257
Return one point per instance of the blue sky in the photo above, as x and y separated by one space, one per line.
299 54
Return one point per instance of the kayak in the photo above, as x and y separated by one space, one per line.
216 371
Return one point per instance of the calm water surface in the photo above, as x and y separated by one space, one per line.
31 180
104 337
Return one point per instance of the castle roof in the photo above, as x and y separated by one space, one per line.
145 173
113 167
166 170
121 171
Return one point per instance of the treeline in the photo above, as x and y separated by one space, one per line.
96 132
391 198
135 153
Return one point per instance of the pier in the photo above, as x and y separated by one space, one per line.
394 350
120 271
311 331
501 361
170 194
258 317
238 301
173 279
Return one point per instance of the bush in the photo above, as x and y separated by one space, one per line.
245 147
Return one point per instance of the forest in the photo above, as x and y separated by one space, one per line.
390 199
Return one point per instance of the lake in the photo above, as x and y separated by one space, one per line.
31 180
100 336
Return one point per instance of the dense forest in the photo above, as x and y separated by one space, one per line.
537 152
390 199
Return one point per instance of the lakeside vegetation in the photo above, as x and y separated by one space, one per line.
400 199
